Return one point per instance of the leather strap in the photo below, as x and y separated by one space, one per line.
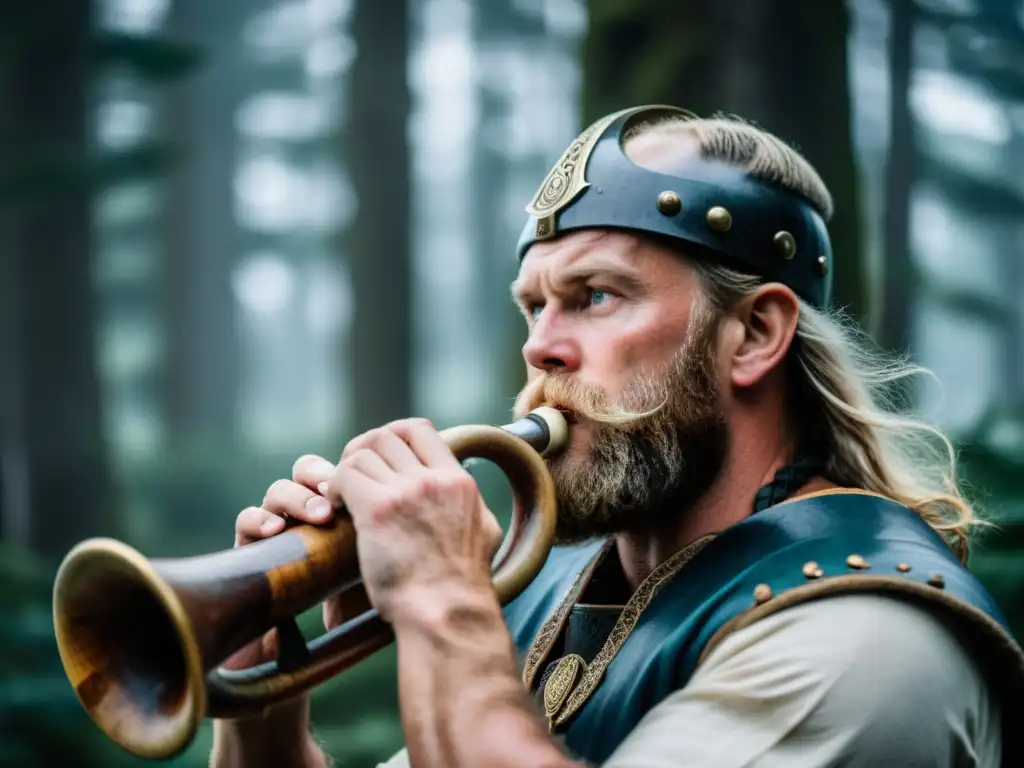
788 480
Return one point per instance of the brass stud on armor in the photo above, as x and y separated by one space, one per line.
669 203
857 562
762 593
936 580
719 219
812 570
785 244
903 568
821 265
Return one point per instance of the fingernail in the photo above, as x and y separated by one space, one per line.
318 508
322 488
273 525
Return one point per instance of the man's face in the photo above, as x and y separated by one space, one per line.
615 340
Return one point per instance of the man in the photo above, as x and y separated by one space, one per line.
757 563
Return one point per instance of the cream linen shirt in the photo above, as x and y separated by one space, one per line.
858 680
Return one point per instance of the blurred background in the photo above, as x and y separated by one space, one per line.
235 232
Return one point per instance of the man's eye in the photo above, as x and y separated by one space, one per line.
535 311
597 296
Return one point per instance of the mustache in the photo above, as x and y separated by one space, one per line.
589 402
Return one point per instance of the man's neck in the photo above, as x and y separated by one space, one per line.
728 501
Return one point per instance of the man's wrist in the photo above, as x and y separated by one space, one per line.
280 736
235 751
437 612
458 632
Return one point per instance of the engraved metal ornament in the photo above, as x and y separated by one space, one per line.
560 683
637 604
566 179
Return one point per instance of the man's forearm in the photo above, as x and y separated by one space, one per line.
279 739
462 702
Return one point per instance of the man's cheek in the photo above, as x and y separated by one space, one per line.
580 437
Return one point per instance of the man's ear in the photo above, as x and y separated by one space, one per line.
768 318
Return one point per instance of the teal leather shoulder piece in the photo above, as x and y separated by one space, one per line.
803 550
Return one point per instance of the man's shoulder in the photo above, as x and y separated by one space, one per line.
878 668
853 679
846 542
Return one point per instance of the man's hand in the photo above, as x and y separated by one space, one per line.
279 736
296 500
423 530
426 541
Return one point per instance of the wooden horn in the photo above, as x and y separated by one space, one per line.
142 639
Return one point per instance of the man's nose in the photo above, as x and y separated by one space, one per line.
550 348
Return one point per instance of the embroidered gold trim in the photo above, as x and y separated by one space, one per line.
552 628
624 626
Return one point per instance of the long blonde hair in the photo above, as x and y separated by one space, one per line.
844 383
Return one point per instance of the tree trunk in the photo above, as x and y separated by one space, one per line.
377 153
498 27
201 371
54 452
782 65
900 172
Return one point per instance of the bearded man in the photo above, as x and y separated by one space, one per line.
757 563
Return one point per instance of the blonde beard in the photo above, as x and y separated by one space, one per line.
653 451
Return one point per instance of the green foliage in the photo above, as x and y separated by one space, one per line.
192 492
151 59
992 462
32 174
42 170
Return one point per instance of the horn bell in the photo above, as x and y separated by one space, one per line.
128 648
